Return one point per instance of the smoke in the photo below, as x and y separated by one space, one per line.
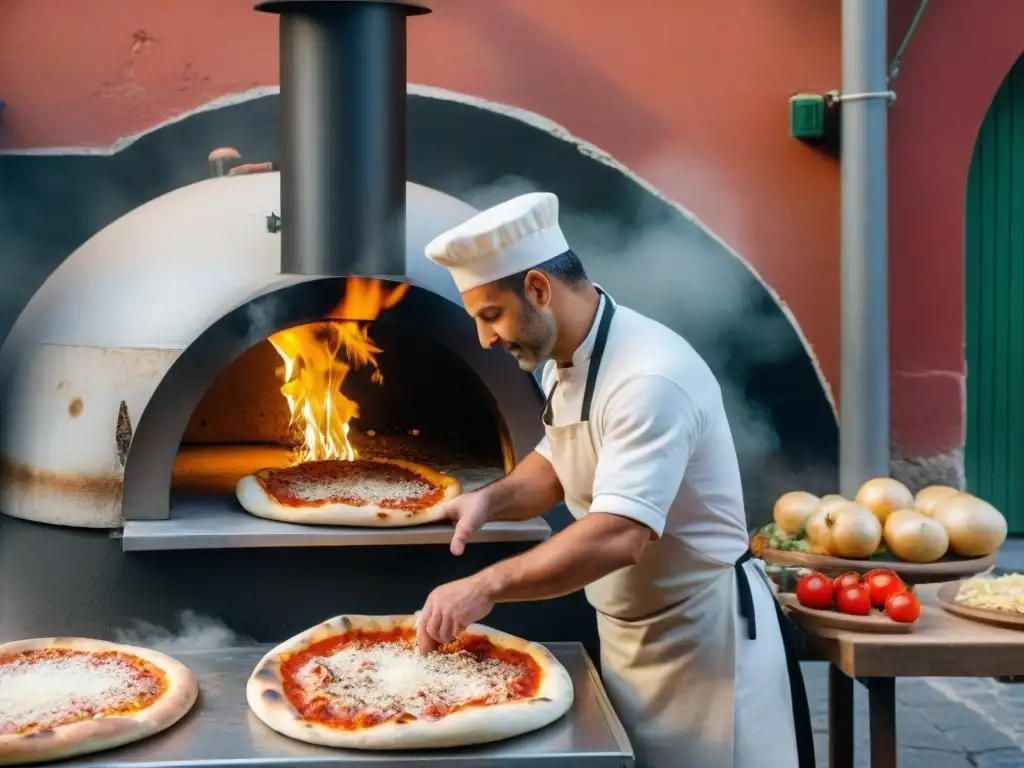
678 273
194 632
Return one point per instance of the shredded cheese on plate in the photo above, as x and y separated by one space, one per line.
999 593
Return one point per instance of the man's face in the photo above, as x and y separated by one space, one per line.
522 324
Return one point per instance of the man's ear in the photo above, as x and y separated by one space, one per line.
537 288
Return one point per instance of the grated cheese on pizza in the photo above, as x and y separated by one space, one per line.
367 491
40 690
393 679
357 483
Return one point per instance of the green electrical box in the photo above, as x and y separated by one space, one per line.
807 116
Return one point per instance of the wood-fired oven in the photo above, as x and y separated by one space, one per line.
145 377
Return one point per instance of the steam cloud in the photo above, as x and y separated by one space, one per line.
673 261
194 633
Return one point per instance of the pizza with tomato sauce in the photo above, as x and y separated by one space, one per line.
361 682
377 493
62 697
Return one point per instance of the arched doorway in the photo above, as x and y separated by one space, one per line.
994 305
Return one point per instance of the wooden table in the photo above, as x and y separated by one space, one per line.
943 645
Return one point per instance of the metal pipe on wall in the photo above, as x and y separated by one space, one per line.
864 392
343 135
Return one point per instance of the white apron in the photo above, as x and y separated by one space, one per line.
682 665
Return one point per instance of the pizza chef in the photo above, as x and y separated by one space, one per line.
638 446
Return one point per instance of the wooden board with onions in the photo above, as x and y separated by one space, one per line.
941 534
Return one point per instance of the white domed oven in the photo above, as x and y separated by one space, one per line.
141 381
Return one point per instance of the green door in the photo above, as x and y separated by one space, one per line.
994 284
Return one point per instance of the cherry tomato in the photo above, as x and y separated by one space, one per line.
848 579
854 600
881 584
903 606
814 591
873 571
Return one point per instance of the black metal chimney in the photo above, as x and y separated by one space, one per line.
343 130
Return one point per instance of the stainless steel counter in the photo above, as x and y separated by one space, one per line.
217 522
221 731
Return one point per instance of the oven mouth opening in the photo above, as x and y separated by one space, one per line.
306 394
218 412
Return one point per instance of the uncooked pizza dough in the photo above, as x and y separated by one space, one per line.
361 682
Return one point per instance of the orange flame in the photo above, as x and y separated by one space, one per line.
315 369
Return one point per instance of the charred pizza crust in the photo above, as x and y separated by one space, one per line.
463 727
109 731
255 498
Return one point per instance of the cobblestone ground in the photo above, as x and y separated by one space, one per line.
941 722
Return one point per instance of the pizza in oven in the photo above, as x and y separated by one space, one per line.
377 493
61 697
361 682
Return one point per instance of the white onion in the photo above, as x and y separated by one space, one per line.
884 495
975 527
927 498
831 501
913 537
792 510
846 530
817 532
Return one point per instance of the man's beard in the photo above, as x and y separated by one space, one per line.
536 337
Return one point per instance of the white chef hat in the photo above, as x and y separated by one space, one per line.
504 240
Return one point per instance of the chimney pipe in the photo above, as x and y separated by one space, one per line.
343 135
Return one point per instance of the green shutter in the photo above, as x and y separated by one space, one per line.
994 284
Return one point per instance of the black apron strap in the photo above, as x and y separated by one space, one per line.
547 416
595 357
797 689
745 595
600 341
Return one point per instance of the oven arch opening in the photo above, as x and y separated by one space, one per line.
486 383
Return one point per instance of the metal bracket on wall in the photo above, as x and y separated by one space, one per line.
273 223
814 120
837 97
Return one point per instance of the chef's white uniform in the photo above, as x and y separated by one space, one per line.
696 683
691 649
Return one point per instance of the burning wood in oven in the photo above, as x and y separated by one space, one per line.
317 359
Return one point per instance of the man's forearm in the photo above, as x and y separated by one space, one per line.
530 490
584 552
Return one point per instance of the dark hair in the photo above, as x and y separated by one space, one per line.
566 267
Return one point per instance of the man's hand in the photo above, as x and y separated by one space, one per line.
469 512
449 610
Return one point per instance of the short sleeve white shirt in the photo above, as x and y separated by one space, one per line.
666 456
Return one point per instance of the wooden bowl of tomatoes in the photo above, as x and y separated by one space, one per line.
877 601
